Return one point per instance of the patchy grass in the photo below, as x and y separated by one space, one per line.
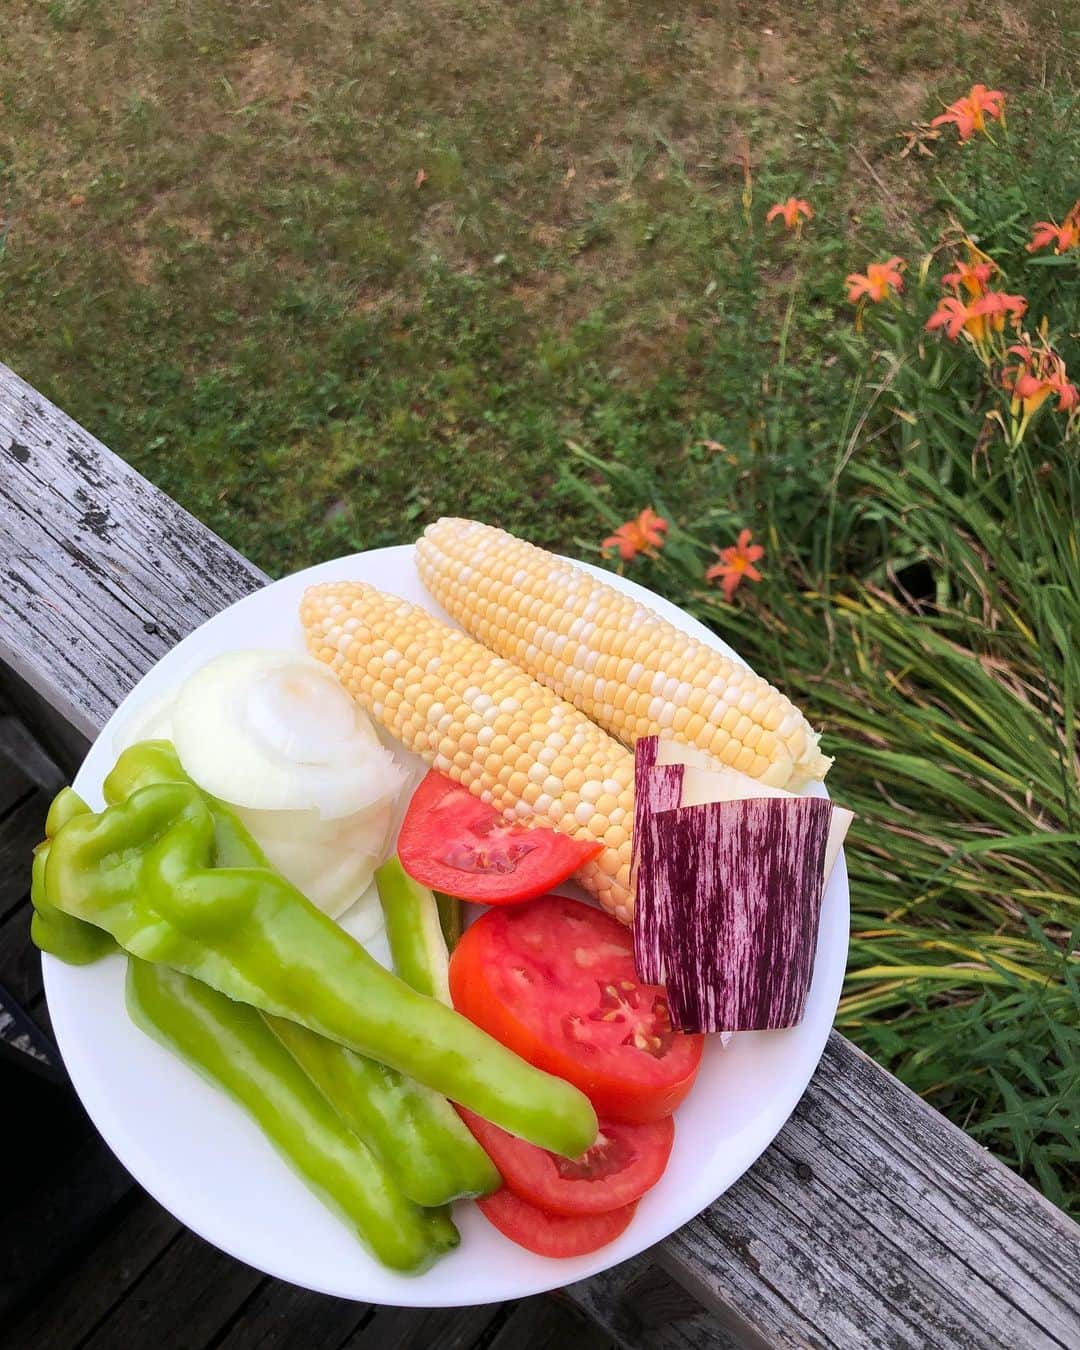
326 271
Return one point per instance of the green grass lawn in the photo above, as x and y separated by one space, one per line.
327 271
324 272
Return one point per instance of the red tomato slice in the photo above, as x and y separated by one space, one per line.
619 1168
552 1234
454 842
554 980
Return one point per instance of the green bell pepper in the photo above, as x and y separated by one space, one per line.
143 870
51 930
230 1044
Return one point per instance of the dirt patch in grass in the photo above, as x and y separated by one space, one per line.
268 76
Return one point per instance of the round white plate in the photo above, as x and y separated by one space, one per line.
206 1161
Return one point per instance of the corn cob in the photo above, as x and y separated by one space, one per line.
613 658
482 721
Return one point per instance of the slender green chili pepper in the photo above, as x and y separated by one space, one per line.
65 805
415 1131
413 930
51 930
143 870
229 1043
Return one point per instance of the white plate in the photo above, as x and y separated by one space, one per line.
207 1162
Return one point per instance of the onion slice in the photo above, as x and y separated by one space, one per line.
331 861
258 726
274 731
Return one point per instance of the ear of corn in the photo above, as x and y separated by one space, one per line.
482 721
614 659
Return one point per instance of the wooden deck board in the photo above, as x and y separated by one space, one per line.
20 830
96 1278
81 1185
870 1221
186 1297
542 1324
20 963
639 1303
23 754
421 1328
282 1317
15 787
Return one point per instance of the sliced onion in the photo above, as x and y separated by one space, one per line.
331 861
259 727
275 731
364 920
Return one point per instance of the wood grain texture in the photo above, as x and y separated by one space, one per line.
871 1221
639 1303
18 747
542 1324
426 1329
185 1298
20 830
100 572
281 1316
97 1280
15 785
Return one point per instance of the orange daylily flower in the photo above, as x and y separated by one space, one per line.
952 315
736 561
971 276
793 212
1063 237
997 307
1038 375
643 535
985 314
877 281
970 112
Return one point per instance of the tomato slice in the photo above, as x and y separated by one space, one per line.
619 1168
455 843
554 980
552 1234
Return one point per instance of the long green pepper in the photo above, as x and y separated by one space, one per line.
231 1045
51 930
414 1131
142 869
414 931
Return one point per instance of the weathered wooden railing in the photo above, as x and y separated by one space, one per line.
871 1221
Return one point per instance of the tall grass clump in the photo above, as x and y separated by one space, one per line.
919 596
